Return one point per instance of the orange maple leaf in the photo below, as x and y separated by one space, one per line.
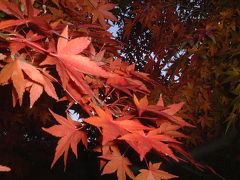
170 111
71 65
29 14
165 112
170 130
9 23
14 71
143 143
70 133
112 128
142 105
105 150
4 169
67 52
36 89
124 78
153 173
118 163
125 84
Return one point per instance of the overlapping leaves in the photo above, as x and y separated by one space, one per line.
24 75
44 50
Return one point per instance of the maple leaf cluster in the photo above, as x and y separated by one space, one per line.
62 49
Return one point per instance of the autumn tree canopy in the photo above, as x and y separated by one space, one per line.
165 83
